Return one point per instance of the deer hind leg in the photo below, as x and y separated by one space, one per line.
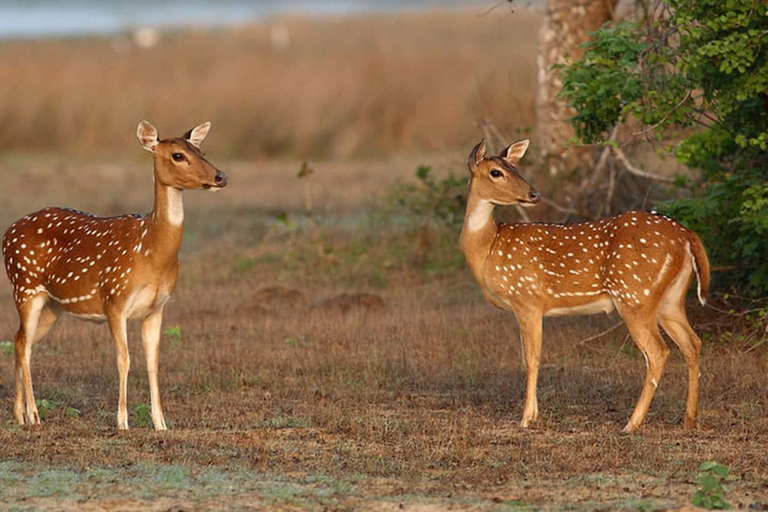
150 334
117 326
675 323
646 334
530 334
35 316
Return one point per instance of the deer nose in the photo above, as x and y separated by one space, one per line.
220 179
534 196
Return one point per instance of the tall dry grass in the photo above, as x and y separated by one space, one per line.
350 86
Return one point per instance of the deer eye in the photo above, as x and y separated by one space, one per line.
177 157
495 173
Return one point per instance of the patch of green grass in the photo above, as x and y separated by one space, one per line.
243 265
44 407
174 477
142 416
173 334
7 348
280 421
53 482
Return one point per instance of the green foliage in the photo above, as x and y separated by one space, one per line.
7 348
710 495
700 64
173 334
44 407
142 416
431 199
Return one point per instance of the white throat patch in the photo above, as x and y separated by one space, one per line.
480 216
175 206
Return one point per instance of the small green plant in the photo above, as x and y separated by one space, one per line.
173 334
442 200
72 413
710 496
44 407
142 416
6 348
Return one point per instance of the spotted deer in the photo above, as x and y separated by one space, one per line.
639 263
106 269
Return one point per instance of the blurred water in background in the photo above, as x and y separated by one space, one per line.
56 18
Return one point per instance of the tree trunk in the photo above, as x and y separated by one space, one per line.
566 25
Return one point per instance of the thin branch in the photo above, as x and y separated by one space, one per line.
604 155
599 335
756 345
611 189
656 125
557 207
485 125
523 214
496 6
637 171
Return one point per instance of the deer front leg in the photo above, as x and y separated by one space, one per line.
530 335
18 400
117 326
150 332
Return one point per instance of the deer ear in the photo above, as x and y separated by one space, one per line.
515 152
197 135
476 156
148 136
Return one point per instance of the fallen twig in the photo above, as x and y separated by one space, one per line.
599 335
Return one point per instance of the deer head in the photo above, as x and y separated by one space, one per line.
179 162
495 179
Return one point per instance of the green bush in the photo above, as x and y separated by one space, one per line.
703 64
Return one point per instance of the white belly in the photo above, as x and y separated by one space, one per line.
91 317
601 305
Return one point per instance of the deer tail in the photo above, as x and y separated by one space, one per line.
700 266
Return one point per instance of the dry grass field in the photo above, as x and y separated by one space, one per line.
343 361
284 393
360 86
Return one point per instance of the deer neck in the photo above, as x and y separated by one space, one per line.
164 225
478 234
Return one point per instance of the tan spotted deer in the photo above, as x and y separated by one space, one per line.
111 269
639 263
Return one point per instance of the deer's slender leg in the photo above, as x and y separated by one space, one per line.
646 334
150 331
117 326
530 336
30 314
675 323
48 317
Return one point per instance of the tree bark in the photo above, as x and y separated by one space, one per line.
567 25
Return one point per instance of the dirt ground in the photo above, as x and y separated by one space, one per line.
343 363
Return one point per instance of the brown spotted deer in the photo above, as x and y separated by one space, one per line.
639 263
111 269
